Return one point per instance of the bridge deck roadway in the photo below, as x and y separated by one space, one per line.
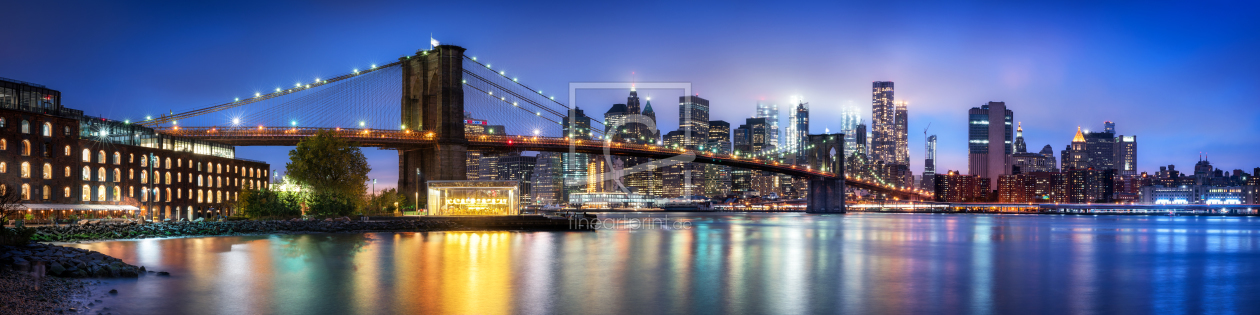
290 136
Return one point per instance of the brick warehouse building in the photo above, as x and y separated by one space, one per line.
66 163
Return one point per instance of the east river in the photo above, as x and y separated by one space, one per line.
718 263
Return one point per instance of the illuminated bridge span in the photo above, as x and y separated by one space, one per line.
438 91
400 139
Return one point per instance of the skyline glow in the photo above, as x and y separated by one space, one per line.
1179 77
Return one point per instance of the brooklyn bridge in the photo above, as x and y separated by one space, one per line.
417 106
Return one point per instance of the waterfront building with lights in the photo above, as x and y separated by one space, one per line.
63 162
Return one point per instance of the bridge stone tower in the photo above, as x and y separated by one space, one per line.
826 153
433 101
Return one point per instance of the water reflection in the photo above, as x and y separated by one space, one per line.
745 263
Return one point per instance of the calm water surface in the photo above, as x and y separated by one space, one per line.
727 263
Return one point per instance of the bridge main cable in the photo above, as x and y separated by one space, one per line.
261 97
484 66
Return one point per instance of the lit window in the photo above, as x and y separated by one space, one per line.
26 148
26 191
26 127
67 191
87 155
100 174
100 193
47 132
26 170
67 150
47 172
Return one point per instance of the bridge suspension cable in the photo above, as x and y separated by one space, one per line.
502 87
259 97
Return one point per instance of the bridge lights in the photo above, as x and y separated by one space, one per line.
257 94
374 66
236 121
362 123
293 123
277 90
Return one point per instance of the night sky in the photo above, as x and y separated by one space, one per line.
1183 78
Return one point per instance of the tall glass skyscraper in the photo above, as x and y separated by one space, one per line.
883 121
771 113
797 131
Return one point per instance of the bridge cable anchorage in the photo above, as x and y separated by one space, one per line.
216 108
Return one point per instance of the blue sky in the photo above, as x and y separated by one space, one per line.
1183 77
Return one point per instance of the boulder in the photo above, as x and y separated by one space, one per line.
55 269
85 222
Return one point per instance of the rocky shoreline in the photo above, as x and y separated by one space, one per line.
19 294
94 231
67 262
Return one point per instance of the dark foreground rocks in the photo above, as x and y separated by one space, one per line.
89 231
61 261
23 294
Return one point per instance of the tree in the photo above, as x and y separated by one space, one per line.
328 204
258 203
387 201
330 166
10 204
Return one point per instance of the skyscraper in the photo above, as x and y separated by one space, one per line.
547 180
850 117
749 139
693 120
989 141
1126 155
771 113
797 131
717 178
929 163
518 168
1020 146
574 166
883 122
901 134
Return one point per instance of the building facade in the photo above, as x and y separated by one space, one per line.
989 146
62 160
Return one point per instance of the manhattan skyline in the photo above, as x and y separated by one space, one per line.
1177 77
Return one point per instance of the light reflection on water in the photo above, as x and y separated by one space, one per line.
726 263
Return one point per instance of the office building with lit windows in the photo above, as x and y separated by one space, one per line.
66 163
989 144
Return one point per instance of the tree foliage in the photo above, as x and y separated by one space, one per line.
330 167
259 203
329 204
11 207
388 201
